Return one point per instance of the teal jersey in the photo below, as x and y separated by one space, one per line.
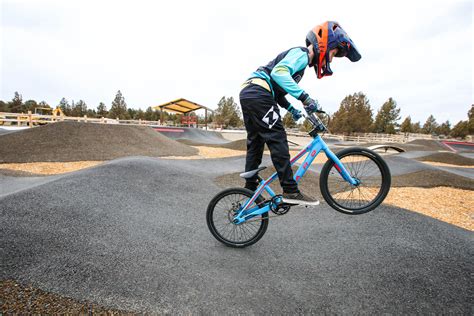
283 74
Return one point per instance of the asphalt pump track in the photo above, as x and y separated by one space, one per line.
131 234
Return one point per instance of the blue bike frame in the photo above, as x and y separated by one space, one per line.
312 150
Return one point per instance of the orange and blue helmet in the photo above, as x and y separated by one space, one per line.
326 37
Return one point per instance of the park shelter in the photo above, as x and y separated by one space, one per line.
181 106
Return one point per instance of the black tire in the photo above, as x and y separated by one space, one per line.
365 165
217 209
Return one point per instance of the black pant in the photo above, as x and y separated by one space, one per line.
264 125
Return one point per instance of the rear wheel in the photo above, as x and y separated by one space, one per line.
220 215
366 166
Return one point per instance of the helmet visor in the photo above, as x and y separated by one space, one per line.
346 47
352 53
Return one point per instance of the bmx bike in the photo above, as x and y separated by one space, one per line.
353 181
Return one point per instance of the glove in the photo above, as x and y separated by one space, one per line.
310 105
295 112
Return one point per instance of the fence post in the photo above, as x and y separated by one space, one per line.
30 123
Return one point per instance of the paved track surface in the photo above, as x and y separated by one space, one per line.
9 185
4 131
464 172
131 234
193 134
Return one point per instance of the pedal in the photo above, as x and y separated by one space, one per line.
283 204
282 208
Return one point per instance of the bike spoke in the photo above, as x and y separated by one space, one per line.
366 171
224 212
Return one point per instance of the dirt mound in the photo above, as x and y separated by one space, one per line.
432 178
426 144
240 144
449 158
73 141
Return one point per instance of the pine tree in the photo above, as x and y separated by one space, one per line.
102 110
387 117
228 113
140 115
460 130
79 109
406 126
354 115
29 105
16 104
119 108
4 107
43 104
65 107
132 113
444 129
416 127
91 113
430 125
470 122
149 114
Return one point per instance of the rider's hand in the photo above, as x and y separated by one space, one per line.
310 105
295 112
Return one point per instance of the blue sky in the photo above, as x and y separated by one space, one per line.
418 52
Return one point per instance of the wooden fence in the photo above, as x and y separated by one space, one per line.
31 119
372 137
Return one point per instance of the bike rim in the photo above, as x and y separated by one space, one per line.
354 198
224 212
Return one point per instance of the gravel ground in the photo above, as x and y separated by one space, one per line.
73 141
20 299
123 235
17 173
48 168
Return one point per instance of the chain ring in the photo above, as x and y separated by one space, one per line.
281 208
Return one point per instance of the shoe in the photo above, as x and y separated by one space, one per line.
299 198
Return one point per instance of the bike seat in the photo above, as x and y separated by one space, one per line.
251 173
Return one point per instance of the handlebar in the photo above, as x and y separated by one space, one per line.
318 125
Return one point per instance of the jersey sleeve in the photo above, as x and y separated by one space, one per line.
282 73
283 102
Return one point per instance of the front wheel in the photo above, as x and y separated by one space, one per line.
220 215
368 168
